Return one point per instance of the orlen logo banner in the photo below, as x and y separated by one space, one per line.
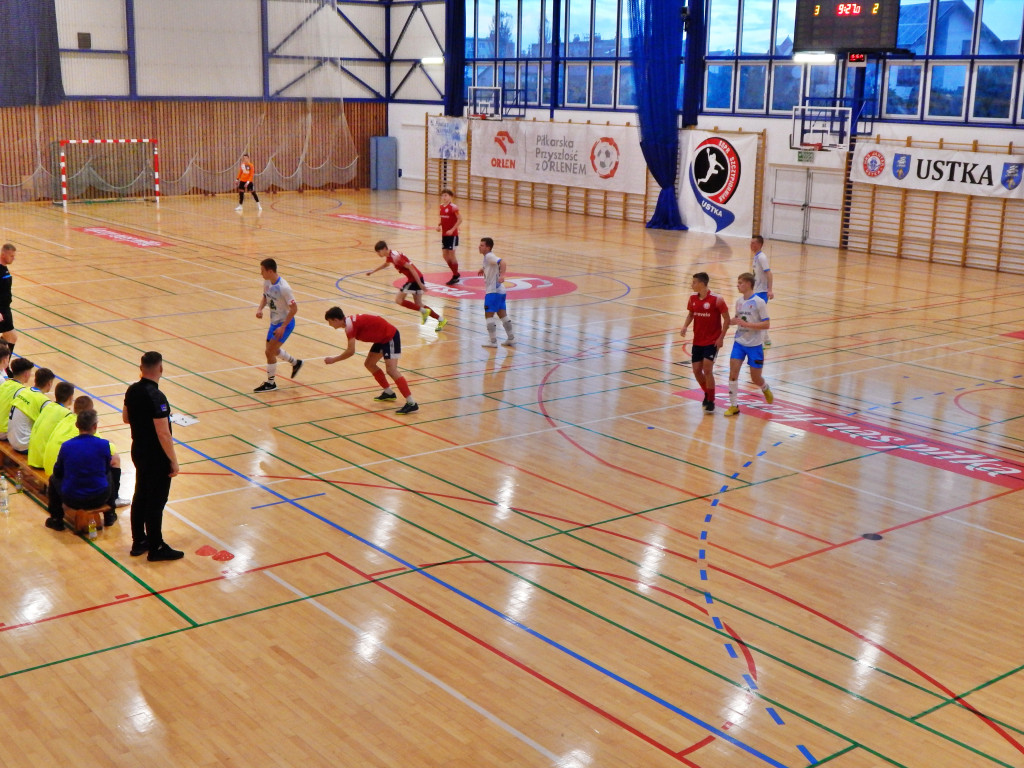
602 157
517 286
716 191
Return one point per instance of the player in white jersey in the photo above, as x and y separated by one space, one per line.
277 295
751 321
762 275
493 272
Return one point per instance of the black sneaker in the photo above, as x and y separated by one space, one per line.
409 408
455 278
296 368
109 518
164 552
55 523
386 396
139 548
709 406
266 386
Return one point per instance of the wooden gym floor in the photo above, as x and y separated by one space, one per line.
559 561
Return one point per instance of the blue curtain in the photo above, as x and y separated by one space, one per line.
29 54
656 27
455 57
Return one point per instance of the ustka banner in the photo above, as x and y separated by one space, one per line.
966 173
601 157
716 182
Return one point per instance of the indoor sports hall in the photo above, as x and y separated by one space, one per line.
562 558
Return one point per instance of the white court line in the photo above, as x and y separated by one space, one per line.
983 528
461 698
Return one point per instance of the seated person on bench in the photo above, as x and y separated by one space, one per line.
21 369
81 476
65 429
48 419
25 408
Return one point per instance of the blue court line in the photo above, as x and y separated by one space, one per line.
707 517
750 682
731 651
714 503
718 624
806 753
703 574
505 617
297 498
775 715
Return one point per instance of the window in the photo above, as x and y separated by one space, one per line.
903 90
606 20
1001 24
627 93
722 23
719 87
756 34
576 84
785 22
602 85
786 86
821 80
993 91
946 89
529 16
577 39
753 86
954 28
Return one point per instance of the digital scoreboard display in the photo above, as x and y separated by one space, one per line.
830 25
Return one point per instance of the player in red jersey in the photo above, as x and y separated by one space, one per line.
415 284
451 220
710 317
387 343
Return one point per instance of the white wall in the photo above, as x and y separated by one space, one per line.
408 123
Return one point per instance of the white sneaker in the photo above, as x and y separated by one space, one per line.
509 342
238 207
122 502
259 207
490 344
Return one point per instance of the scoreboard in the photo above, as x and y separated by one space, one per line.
831 25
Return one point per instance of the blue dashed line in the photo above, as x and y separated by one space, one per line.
731 651
748 464
735 475
703 535
776 445
896 402
703 575
289 501
718 623
960 389
702 554
919 397
936 394
996 381
775 715
750 682
714 503
762 453
873 407
708 599
707 518
806 753
724 489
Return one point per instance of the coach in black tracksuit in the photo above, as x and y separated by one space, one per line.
148 413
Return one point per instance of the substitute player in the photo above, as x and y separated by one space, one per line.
451 220
751 321
387 343
277 295
493 272
710 317
246 174
414 283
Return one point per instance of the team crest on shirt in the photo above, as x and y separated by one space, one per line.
707 305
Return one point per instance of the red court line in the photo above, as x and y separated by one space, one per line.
956 400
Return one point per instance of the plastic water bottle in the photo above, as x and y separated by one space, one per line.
18 481
92 530
5 507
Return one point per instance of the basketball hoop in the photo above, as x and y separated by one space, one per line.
814 146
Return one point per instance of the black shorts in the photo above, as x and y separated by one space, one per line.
448 242
389 349
703 352
411 287
245 186
7 324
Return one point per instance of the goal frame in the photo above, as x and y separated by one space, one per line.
64 163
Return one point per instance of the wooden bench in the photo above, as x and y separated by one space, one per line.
34 481
78 520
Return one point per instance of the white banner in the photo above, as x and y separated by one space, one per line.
939 170
604 157
447 138
716 182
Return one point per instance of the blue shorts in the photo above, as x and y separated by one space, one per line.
763 295
753 355
287 331
494 302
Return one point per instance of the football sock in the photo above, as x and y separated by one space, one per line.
381 379
492 328
734 387
507 324
271 371
403 387
282 355
433 314
409 305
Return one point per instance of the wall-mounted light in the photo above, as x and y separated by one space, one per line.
815 58
432 60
